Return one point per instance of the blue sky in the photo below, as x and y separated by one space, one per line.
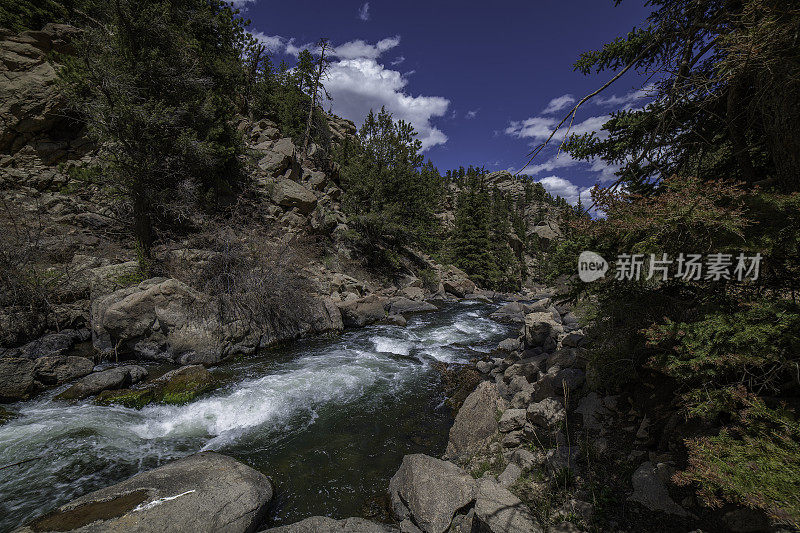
482 82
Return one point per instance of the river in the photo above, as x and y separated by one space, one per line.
327 418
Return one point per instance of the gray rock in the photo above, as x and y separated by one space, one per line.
650 491
289 193
525 459
510 313
17 379
206 492
403 306
113 378
509 475
60 369
547 413
165 319
484 367
509 345
574 340
50 345
363 311
278 156
593 411
511 420
499 511
540 330
431 490
476 421
323 524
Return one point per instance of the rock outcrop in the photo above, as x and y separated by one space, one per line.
323 524
206 492
165 319
476 421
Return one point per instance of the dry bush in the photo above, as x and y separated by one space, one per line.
249 277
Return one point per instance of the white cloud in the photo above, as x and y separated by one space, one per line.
242 4
540 128
627 101
562 187
472 114
360 49
358 85
559 103
398 60
273 43
363 12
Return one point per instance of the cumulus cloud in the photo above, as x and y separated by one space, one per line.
558 186
472 114
360 49
398 60
358 85
363 12
539 128
559 103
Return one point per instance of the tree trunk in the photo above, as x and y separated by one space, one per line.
315 91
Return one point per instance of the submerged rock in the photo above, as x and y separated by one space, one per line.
323 524
176 387
206 492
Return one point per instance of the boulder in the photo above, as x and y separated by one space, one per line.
323 524
278 156
6 416
431 491
166 320
403 306
476 421
548 413
650 491
206 492
60 369
555 384
112 378
363 311
413 293
540 330
457 283
512 419
510 313
509 345
498 511
288 193
17 379
50 345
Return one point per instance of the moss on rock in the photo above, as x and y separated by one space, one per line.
176 387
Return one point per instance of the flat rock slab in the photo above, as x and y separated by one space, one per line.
206 492
323 524
112 378
431 491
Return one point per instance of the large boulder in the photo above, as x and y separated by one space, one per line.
112 378
403 306
541 330
206 492
288 193
456 282
323 524
50 345
363 311
498 511
17 379
510 313
431 491
278 155
476 421
165 319
61 369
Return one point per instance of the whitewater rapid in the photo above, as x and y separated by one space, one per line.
310 406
